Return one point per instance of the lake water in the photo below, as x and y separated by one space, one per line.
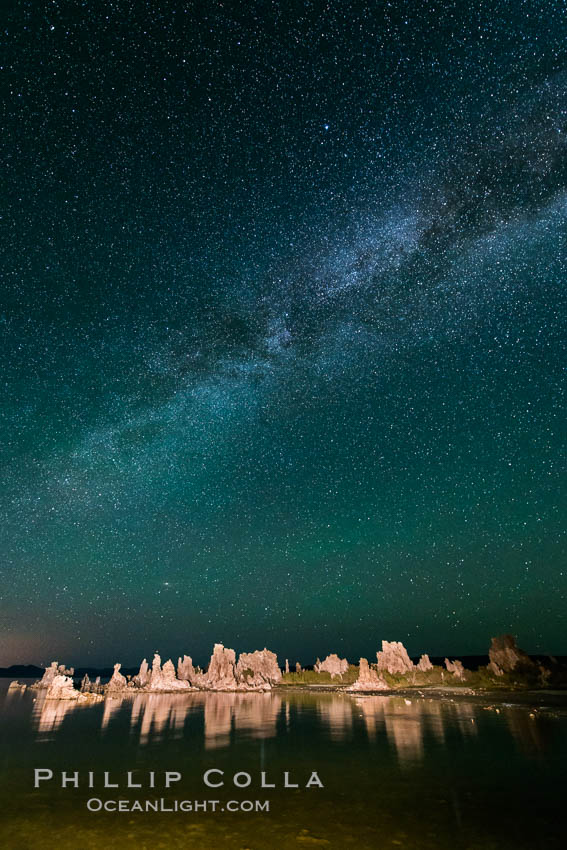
397 772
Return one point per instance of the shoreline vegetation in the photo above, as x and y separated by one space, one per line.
509 670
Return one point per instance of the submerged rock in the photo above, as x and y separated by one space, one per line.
505 655
368 679
334 665
394 658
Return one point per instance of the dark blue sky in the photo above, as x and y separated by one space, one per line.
283 319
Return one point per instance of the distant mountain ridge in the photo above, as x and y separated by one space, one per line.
31 671
22 670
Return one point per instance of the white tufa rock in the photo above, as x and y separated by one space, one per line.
456 668
164 680
142 680
368 679
118 681
262 664
505 655
334 665
221 674
54 669
185 669
394 658
62 688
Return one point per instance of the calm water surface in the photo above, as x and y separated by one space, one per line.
412 773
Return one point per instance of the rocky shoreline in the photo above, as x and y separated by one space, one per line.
509 669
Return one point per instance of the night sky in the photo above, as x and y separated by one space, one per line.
283 327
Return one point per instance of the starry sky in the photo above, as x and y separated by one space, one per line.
283 327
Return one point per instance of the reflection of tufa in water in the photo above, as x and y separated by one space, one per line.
229 717
48 714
